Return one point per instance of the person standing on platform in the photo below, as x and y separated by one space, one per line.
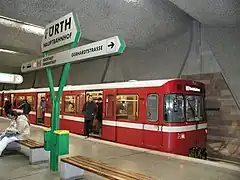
15 133
43 106
26 108
89 110
7 107
99 114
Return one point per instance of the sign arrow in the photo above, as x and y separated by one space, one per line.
111 45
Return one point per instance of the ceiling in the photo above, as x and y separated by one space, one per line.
211 12
140 22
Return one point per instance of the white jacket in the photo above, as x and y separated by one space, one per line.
23 127
12 126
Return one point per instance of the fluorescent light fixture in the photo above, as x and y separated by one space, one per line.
11 78
9 51
27 27
132 1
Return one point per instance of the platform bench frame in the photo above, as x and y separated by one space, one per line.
34 150
73 168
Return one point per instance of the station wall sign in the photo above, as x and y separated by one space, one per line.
107 47
60 32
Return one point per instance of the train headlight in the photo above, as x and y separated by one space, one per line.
206 131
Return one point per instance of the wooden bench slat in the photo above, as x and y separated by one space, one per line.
109 172
97 170
79 161
108 169
25 143
117 170
34 142
134 174
31 143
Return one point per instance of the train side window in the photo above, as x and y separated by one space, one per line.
127 107
95 94
30 100
174 108
109 104
20 100
80 103
69 104
152 107
49 104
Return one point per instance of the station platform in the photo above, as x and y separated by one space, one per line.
158 165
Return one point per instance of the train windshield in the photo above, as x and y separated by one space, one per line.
194 108
179 108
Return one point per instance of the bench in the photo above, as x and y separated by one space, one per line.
33 149
73 168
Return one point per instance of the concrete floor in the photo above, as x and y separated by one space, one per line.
160 167
16 167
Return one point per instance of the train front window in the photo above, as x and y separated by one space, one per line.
174 108
194 108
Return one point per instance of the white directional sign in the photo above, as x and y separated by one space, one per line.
63 31
10 78
107 47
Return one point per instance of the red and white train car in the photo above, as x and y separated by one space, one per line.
165 115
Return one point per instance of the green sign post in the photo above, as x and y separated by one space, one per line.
59 33
63 31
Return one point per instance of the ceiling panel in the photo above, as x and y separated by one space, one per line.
20 41
14 60
140 21
212 12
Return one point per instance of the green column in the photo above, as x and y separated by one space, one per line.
56 110
50 137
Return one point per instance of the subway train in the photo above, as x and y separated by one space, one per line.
164 115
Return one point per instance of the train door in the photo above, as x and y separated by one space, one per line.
97 96
152 136
31 99
47 102
109 115
41 108
47 115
